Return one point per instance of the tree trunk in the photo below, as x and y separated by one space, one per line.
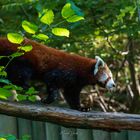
135 106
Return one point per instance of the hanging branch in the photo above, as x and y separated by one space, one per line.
123 61
107 37
71 118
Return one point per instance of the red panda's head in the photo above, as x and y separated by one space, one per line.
103 74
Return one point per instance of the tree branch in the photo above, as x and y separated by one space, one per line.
71 118
135 83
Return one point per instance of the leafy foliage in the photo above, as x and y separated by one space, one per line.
70 14
15 38
47 16
5 93
60 32
67 11
26 48
41 37
12 137
29 27
2 71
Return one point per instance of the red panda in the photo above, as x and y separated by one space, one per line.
57 69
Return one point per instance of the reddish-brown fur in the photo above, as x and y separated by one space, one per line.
56 68
45 58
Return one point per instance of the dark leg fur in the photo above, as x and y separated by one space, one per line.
72 96
52 95
70 82
56 79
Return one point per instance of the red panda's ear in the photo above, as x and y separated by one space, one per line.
99 62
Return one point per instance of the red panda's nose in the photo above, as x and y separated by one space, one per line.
114 85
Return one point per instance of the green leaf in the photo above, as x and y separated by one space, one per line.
29 27
17 54
60 32
38 6
26 48
76 9
13 87
2 139
2 57
31 91
15 38
2 68
26 137
74 18
2 71
4 93
5 81
10 137
47 16
3 97
21 97
32 98
41 37
67 11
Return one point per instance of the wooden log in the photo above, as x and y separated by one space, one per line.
71 118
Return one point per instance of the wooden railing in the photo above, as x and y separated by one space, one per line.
71 118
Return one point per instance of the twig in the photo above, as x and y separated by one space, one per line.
123 62
110 44
107 36
102 102
24 11
130 91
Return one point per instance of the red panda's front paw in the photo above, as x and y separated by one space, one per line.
85 109
46 101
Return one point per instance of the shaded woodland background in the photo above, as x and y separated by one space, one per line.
111 29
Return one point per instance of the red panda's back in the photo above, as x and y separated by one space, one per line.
45 58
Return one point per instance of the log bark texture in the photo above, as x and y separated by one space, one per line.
71 118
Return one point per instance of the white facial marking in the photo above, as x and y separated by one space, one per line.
103 77
98 63
110 84
110 74
95 71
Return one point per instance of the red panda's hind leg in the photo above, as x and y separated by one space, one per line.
72 96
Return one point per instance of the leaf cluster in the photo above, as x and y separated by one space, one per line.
12 137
